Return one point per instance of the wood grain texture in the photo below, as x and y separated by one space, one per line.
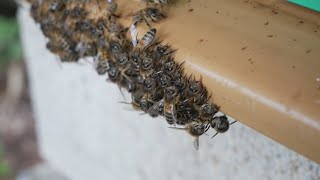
260 61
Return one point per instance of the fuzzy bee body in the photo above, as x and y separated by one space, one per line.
148 14
195 129
156 109
111 8
145 67
147 38
169 110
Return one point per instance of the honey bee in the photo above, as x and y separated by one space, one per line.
131 78
113 73
147 100
146 67
35 11
111 8
195 129
196 92
63 46
169 110
136 95
162 51
78 13
147 38
56 5
116 31
220 123
149 85
146 14
164 81
102 66
171 68
135 57
145 104
156 109
207 111
122 59
156 2
181 84
114 47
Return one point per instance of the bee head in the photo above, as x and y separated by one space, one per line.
198 129
194 88
149 84
147 63
154 14
122 58
208 110
165 81
170 93
113 73
220 124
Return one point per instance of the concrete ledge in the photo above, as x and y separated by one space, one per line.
85 133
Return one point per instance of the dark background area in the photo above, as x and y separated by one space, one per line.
8 8
18 145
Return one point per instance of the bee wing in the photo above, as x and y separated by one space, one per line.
154 109
196 143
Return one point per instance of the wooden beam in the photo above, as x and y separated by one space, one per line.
260 61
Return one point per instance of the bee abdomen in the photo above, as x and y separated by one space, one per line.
148 37
168 113
169 118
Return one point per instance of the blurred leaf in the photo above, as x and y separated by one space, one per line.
4 169
10 46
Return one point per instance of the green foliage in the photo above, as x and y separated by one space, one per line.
10 47
4 167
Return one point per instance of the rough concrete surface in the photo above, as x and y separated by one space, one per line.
40 172
86 133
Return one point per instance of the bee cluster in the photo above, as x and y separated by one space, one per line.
145 67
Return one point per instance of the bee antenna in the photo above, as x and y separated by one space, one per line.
207 128
181 64
177 128
122 102
214 135
233 122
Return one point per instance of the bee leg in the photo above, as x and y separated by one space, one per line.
59 62
180 65
176 128
153 44
170 52
174 115
233 122
207 128
122 102
145 21
214 135
196 143
125 76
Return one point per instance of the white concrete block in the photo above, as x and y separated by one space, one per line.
86 133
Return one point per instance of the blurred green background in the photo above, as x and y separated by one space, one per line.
4 167
10 51
10 46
